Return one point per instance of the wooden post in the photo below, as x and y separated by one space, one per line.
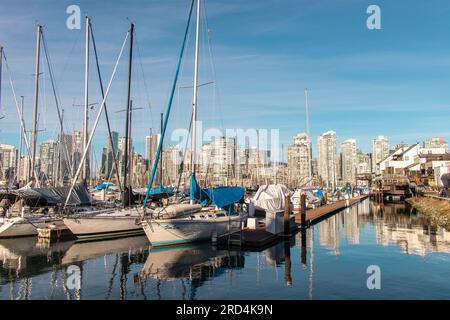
303 210
287 211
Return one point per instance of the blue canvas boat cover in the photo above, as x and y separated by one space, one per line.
103 186
221 197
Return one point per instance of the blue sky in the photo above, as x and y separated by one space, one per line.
362 83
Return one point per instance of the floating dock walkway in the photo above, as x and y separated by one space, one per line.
314 216
260 238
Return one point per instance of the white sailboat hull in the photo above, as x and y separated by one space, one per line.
26 227
178 231
105 226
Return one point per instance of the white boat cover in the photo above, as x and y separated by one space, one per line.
270 197
176 210
311 198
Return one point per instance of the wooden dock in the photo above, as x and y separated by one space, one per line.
260 238
315 215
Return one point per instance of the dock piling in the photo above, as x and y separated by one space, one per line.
287 211
303 211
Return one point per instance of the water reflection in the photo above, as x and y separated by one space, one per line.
299 267
395 224
190 266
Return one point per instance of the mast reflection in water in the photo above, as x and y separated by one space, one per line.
328 261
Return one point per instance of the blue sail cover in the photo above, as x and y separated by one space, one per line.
103 186
222 197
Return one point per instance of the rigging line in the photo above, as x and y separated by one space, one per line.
22 122
116 165
169 106
144 81
57 98
1 60
216 91
97 119
184 158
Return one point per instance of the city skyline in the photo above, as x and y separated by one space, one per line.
375 87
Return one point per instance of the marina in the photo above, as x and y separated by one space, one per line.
184 153
400 241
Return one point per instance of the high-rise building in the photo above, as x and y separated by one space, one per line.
299 160
364 163
217 161
435 143
151 147
380 150
139 170
108 156
24 168
327 158
349 161
77 150
121 155
8 163
171 165
65 159
48 159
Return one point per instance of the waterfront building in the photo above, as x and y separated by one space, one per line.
65 158
349 161
436 142
107 166
327 159
223 160
48 158
380 150
138 170
171 164
24 165
151 147
77 150
121 155
8 163
299 161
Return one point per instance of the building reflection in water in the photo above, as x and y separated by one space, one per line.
394 223
399 224
128 268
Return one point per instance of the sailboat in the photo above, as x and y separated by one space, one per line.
112 222
30 206
211 212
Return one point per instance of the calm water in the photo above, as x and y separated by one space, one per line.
328 262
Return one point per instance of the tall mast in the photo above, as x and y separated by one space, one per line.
21 139
36 100
194 100
1 61
309 137
86 101
162 153
307 112
60 175
126 192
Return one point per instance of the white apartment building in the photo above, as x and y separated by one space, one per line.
349 161
380 150
327 159
299 160
8 163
